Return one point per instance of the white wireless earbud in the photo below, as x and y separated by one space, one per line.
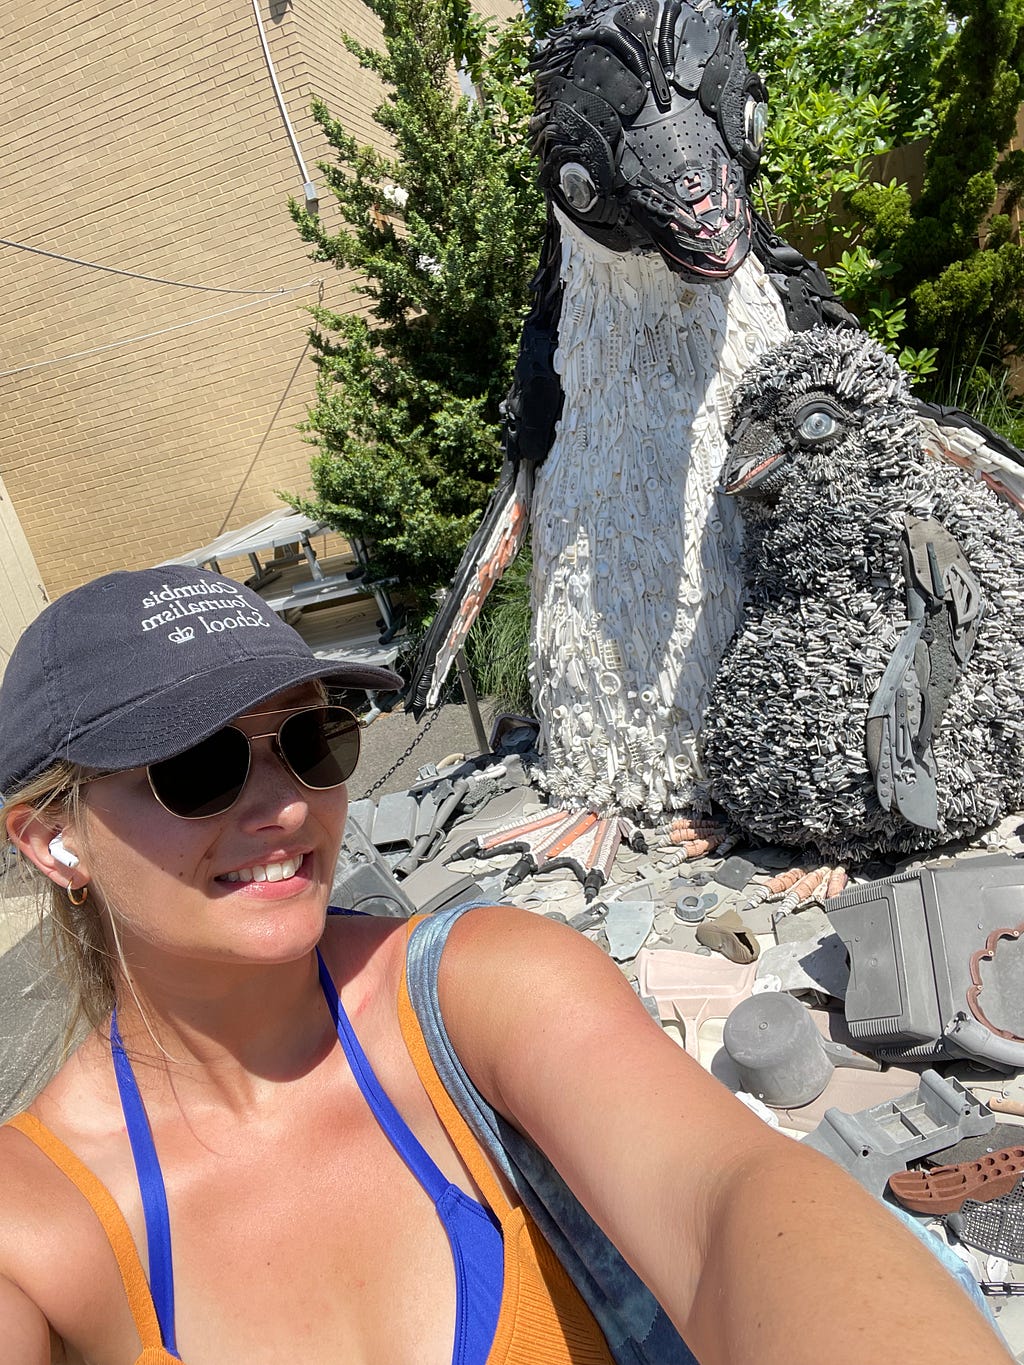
62 854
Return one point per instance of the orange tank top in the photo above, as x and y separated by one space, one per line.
542 1315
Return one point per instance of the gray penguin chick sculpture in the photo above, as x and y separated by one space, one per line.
870 701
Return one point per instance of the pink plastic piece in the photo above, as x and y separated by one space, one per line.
690 988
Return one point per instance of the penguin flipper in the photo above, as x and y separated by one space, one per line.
495 544
944 608
949 434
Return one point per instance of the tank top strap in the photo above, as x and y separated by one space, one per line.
455 1125
133 1277
398 1132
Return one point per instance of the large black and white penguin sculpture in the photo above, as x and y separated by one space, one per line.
871 701
657 289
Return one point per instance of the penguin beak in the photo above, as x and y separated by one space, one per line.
707 226
754 451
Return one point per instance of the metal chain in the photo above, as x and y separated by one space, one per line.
446 697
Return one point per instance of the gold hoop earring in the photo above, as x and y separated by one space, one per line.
83 894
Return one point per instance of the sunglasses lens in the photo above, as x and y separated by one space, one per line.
204 780
321 745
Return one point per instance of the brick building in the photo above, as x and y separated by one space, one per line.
141 418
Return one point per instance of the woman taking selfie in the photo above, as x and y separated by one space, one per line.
251 1157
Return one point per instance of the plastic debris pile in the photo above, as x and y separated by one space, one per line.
745 960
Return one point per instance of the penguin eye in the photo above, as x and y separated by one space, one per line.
755 120
577 187
816 424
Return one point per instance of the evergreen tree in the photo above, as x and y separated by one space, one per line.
959 264
445 233
941 280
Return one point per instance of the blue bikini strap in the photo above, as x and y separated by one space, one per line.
151 1187
396 1129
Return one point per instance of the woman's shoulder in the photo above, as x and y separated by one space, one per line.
501 967
519 943
57 1277
32 1247
71 1111
375 947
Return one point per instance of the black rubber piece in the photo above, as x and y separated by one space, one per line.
970 1149
996 1227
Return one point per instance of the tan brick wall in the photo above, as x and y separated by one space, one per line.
146 136
142 418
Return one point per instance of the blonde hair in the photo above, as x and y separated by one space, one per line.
74 932
76 935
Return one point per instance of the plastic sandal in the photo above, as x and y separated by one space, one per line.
944 1189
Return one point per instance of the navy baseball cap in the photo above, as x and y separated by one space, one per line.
136 667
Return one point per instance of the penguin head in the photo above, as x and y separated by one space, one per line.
826 407
649 127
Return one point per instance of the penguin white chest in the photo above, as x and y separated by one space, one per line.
637 583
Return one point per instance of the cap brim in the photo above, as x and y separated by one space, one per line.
161 726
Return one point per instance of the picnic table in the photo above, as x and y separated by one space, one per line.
272 532
261 542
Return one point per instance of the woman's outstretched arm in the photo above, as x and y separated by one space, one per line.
763 1252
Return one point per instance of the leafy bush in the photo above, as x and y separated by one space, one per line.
445 233
847 81
963 278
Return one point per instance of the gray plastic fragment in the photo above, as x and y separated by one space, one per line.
735 873
491 891
780 1055
815 964
809 922
510 808
916 943
777 1050
363 881
516 774
395 821
437 805
692 909
627 925
589 918
973 1148
877 1142
433 887
362 812
995 1226
426 810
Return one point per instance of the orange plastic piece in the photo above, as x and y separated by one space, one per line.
944 1188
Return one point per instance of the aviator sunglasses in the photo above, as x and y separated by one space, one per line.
319 746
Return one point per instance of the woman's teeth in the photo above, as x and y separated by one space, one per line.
264 872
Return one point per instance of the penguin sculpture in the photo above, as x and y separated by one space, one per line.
871 700
657 288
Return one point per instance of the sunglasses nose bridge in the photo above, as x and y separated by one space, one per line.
283 759
276 748
226 761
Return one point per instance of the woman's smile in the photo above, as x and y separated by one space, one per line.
273 876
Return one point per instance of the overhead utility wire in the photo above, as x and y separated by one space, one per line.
146 336
134 274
